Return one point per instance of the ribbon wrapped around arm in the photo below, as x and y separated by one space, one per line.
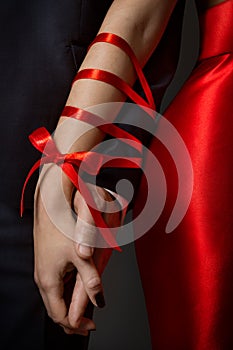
91 163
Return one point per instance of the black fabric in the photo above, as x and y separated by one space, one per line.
38 43
24 323
43 42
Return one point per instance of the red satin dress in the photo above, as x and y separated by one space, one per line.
187 275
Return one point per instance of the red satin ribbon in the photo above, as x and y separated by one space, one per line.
107 128
93 161
112 79
123 45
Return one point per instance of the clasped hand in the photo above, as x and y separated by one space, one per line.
59 260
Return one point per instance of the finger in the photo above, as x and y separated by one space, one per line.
82 329
85 229
52 305
45 301
69 330
84 251
78 307
91 280
79 332
52 295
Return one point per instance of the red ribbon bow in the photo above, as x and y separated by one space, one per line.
91 162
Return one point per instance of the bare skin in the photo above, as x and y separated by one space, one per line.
55 254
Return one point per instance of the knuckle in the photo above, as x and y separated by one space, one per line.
50 314
94 283
56 319
45 283
36 279
85 251
75 323
68 331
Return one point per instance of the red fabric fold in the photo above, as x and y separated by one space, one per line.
187 275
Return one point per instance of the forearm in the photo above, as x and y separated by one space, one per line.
141 24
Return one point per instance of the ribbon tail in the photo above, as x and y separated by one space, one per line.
100 223
106 234
31 172
120 162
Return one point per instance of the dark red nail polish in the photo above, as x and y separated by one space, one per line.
100 300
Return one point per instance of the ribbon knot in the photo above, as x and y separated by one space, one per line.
70 164
58 158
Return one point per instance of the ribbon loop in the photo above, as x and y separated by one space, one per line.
42 140
91 163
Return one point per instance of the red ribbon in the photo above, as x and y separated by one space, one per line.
93 161
106 127
123 45
112 79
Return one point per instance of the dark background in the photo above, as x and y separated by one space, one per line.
123 323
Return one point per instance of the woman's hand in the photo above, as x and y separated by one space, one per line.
57 257
55 261
55 252
90 255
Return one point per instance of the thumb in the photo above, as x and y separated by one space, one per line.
85 229
86 237
84 251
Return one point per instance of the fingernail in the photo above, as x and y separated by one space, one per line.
85 250
99 298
